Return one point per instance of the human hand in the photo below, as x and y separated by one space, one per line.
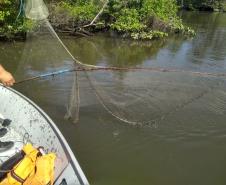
5 77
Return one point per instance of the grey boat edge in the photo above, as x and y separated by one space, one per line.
31 124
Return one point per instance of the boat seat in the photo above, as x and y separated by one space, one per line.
14 136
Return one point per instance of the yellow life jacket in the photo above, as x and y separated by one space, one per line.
33 169
24 168
44 174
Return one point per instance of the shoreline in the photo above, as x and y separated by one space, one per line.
64 31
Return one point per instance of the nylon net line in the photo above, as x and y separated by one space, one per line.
137 95
44 55
150 98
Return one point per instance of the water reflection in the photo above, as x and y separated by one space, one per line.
109 51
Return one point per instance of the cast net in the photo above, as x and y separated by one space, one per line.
36 10
138 95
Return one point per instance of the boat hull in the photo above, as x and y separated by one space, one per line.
35 126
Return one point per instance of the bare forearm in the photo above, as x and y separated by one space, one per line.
5 77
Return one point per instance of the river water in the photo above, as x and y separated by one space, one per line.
188 148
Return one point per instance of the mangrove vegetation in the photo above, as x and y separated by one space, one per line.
136 19
12 23
203 5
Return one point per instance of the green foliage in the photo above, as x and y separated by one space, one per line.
148 35
223 6
137 17
128 20
179 27
80 11
163 9
209 5
9 23
143 19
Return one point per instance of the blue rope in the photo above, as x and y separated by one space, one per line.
21 9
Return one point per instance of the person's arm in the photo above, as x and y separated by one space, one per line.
5 77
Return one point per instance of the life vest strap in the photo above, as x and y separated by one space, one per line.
16 177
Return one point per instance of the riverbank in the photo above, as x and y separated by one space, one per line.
203 5
144 20
139 20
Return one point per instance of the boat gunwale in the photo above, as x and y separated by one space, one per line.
71 157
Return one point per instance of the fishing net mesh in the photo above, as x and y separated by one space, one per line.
136 96
36 10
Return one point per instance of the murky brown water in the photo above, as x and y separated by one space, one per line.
188 148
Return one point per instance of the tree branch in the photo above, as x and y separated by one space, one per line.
97 16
